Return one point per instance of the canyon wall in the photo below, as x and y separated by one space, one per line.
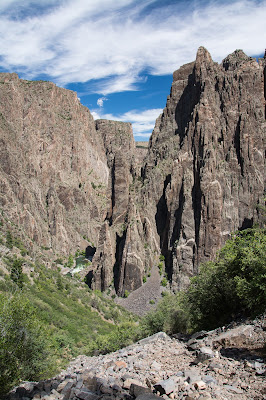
203 176
51 162
68 181
206 159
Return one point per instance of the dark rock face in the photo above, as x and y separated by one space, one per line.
208 148
65 177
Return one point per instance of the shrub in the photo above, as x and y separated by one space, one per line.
144 279
16 272
168 317
9 240
123 335
24 351
126 293
234 284
164 282
160 267
59 261
162 258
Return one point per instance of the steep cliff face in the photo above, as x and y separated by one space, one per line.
64 177
52 164
203 176
119 257
208 148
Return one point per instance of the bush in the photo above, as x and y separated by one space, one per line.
164 282
23 348
160 267
144 279
9 240
168 316
232 285
123 335
16 273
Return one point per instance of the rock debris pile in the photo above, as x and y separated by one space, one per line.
223 364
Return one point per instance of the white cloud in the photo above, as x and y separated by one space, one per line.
87 39
100 101
142 121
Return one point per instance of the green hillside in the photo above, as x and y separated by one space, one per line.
59 315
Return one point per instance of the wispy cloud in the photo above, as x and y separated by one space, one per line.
142 122
87 40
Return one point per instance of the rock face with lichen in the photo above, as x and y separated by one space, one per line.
66 179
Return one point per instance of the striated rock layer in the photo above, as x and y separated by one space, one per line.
68 181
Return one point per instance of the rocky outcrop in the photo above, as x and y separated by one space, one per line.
204 366
52 164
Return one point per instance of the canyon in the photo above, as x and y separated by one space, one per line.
71 183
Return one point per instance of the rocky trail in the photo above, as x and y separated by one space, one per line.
145 297
224 364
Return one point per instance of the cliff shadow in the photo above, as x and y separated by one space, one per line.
162 219
185 106
89 252
117 272
197 197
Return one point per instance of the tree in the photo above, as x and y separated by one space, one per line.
16 273
235 283
24 353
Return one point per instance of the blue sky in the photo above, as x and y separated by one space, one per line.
119 55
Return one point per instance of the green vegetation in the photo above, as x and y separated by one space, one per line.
164 282
9 240
16 273
160 267
15 242
233 285
47 318
24 349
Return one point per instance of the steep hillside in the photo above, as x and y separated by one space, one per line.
48 317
